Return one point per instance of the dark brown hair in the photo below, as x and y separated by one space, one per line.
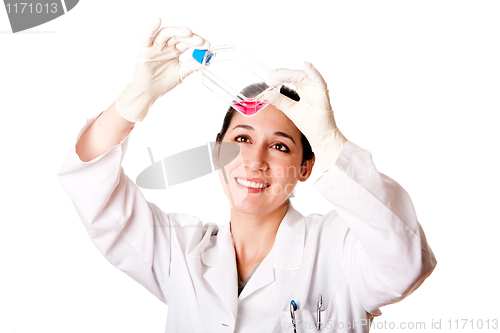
253 90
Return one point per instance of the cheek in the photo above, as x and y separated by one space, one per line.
230 170
235 163
285 170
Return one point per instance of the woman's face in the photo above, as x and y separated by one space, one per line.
269 165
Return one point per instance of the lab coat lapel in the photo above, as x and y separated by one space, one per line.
285 254
222 274
290 239
263 276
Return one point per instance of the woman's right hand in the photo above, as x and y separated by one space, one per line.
158 68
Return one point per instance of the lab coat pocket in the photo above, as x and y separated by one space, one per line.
305 319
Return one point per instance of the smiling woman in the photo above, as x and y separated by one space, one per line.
270 269
288 149
272 156
262 180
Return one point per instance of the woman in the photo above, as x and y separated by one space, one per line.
339 269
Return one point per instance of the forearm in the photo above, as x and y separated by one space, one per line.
385 253
115 214
375 207
108 130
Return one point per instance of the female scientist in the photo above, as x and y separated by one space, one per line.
270 269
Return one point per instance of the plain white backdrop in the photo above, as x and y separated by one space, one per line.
415 82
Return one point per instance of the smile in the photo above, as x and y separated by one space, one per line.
251 184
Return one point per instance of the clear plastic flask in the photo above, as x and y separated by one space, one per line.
228 71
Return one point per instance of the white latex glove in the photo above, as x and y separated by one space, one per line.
313 114
158 68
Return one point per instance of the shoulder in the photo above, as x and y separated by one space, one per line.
325 228
173 220
187 230
327 221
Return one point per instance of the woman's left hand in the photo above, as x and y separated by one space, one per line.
313 114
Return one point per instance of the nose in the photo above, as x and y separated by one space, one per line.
255 159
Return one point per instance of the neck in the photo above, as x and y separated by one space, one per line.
254 234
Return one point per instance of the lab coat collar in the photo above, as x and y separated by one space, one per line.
289 243
222 275
286 254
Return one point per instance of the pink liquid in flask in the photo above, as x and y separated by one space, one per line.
250 107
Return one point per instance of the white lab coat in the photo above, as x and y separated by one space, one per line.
367 252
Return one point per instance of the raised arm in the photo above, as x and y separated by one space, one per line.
108 130
158 71
133 234
385 252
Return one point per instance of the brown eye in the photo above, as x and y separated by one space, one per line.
281 147
241 138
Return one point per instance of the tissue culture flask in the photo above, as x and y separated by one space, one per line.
227 70
249 107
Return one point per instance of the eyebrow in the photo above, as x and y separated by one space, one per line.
248 127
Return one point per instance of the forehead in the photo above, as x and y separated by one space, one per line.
268 120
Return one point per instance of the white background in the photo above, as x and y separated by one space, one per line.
414 82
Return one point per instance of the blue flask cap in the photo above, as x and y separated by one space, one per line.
198 55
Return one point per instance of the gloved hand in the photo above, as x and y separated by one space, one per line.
158 68
313 114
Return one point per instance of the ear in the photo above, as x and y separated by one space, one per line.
216 151
306 169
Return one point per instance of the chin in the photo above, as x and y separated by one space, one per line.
249 205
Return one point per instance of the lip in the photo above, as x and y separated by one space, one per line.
255 180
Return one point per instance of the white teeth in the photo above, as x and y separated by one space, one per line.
246 183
